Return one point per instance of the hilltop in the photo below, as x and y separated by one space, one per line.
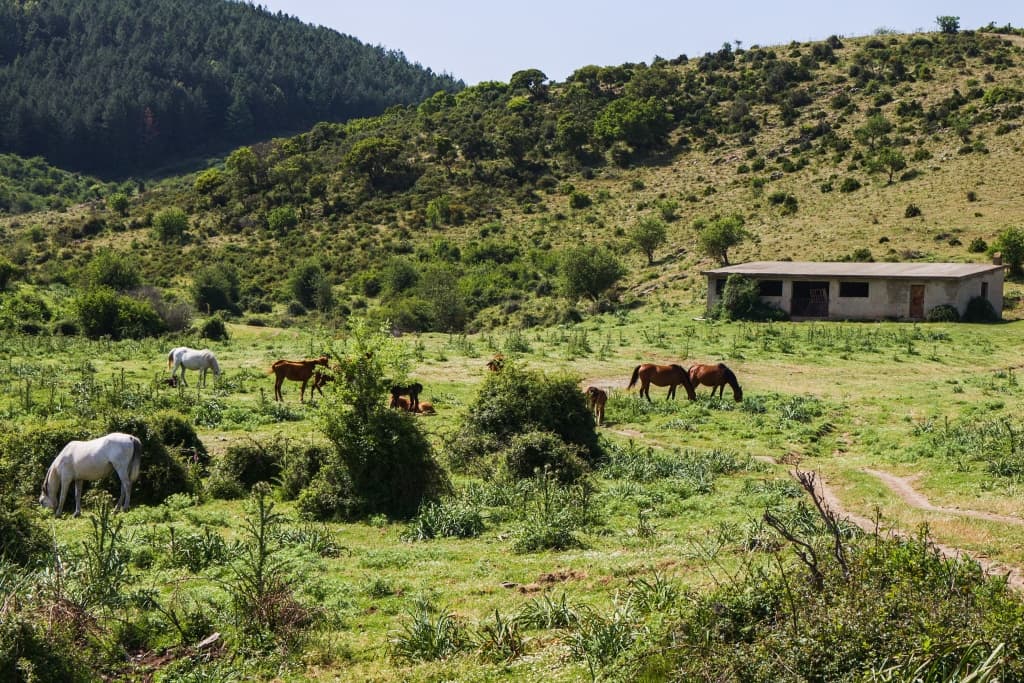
471 210
117 88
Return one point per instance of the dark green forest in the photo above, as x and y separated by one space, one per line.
115 87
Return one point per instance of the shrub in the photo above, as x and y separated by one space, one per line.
26 454
944 313
170 224
280 219
180 437
214 328
449 518
538 450
1010 244
912 211
215 288
299 466
977 246
103 312
309 285
112 269
588 271
245 464
22 540
741 300
980 310
849 185
163 472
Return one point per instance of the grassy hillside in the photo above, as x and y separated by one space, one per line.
119 88
478 196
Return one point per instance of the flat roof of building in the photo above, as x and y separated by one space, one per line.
844 269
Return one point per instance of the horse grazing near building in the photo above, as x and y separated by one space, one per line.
81 461
596 398
663 376
296 371
192 359
716 377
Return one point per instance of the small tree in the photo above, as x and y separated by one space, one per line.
948 24
309 285
169 225
281 218
887 160
873 132
118 203
1011 244
648 234
109 268
215 288
589 271
721 234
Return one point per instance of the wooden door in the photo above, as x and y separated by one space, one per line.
916 301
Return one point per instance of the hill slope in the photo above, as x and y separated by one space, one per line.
462 212
116 86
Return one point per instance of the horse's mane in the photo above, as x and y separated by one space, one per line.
730 376
680 368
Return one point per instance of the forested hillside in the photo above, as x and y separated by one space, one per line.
531 202
120 86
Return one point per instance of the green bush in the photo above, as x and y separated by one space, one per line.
449 518
170 224
214 328
103 312
980 310
741 300
309 285
26 454
943 313
109 268
246 464
35 651
180 438
22 540
281 219
163 471
538 450
299 466
215 288
849 185
977 246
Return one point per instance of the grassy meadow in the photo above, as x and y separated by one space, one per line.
676 510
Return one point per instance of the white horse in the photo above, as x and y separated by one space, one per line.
82 461
192 359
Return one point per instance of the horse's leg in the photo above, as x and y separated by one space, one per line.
78 496
278 381
302 392
65 485
671 392
645 390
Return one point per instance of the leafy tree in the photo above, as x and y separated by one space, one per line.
244 166
169 225
281 219
642 123
721 234
887 160
948 24
377 158
530 80
873 132
215 288
1011 244
118 203
648 234
109 268
310 286
589 270
103 312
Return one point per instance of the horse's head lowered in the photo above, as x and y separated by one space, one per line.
45 499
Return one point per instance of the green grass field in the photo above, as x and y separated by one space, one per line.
836 398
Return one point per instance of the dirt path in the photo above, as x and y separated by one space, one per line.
902 487
1014 576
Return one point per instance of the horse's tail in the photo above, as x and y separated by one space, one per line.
170 359
273 367
634 378
136 463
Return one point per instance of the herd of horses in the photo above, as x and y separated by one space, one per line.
81 461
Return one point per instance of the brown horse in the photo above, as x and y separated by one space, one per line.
297 371
402 403
663 376
497 363
716 377
412 391
596 398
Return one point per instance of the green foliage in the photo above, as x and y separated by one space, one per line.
113 269
310 286
943 313
7 272
214 328
423 638
1011 244
22 540
640 123
242 73
170 224
849 185
23 310
281 219
588 270
977 246
647 235
167 467
215 288
243 465
980 310
32 650
720 234
101 311
741 300
447 518
538 450
118 203
948 24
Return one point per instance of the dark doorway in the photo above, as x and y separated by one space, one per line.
810 300
916 301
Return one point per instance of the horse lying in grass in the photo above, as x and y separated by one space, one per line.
297 371
596 398
81 461
412 391
663 376
422 408
192 359
716 377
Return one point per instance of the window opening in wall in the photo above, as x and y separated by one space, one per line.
984 290
769 287
719 286
853 289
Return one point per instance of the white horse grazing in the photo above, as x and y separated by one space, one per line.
82 461
192 359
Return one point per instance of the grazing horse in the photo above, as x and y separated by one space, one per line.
81 461
192 359
716 377
663 376
412 391
596 398
297 371
497 363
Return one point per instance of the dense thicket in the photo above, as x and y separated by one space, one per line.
118 85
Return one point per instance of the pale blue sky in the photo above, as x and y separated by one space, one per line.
478 40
